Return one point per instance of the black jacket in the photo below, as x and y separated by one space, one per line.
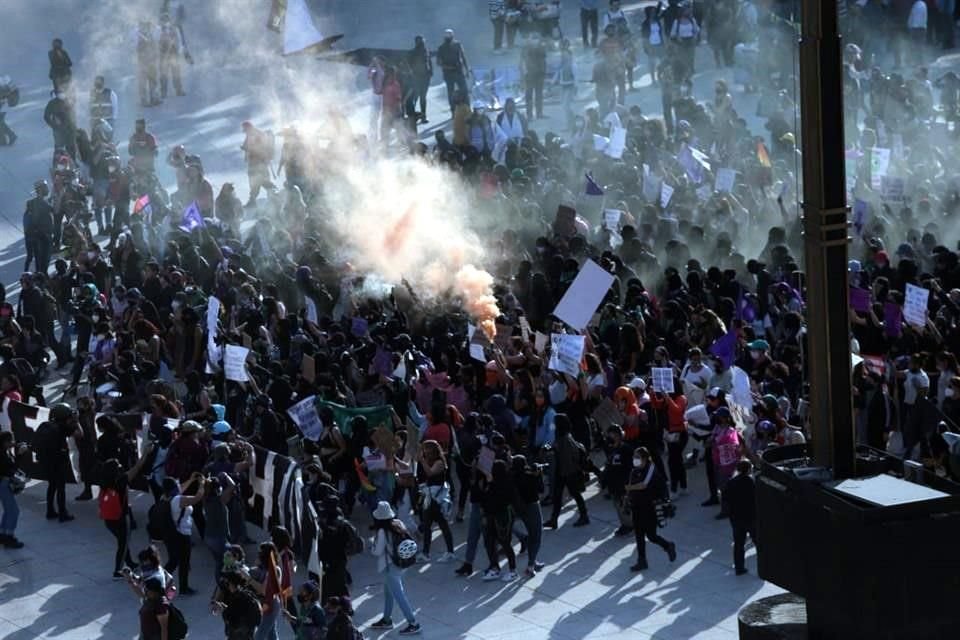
740 497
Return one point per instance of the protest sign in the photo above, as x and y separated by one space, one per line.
384 441
879 164
860 299
485 460
892 189
860 212
617 142
304 415
704 193
666 192
525 329
662 379
584 295
235 363
540 341
611 218
915 305
725 180
565 353
476 352
606 414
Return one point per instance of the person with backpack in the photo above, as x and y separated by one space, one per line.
395 551
340 625
647 485
159 619
238 606
53 455
338 539
179 527
569 457
113 503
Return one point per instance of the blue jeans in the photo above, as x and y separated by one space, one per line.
393 590
268 625
11 512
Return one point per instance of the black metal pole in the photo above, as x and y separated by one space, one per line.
825 237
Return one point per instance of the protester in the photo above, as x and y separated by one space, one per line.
646 486
11 483
386 547
739 496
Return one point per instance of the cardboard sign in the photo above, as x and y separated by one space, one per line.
566 351
308 368
606 414
525 329
235 363
915 305
879 164
726 178
666 192
860 299
617 143
662 379
384 441
584 295
304 415
892 189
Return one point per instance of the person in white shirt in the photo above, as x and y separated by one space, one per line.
695 378
510 127
181 510
917 30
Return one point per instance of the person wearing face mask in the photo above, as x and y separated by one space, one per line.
759 358
237 605
646 486
478 489
310 621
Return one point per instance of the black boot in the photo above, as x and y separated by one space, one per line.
86 494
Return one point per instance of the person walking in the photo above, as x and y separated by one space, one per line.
436 500
265 580
498 506
393 548
103 104
258 150
50 444
616 474
114 503
740 501
453 63
568 473
10 486
534 66
646 486
60 116
38 227
589 22
60 65
528 480
145 42
421 71
171 48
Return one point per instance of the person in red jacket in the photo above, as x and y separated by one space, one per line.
676 436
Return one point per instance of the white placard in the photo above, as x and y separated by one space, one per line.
234 363
304 415
666 192
618 142
471 329
213 312
662 379
476 352
600 142
611 218
584 295
725 180
879 164
311 309
540 341
704 193
566 352
915 305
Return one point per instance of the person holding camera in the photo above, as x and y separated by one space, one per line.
647 485
11 483
178 540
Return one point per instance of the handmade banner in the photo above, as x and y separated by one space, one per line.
726 178
304 415
584 295
611 218
666 192
566 351
235 363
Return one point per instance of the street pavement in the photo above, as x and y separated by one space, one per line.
60 586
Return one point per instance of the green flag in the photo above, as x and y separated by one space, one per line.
376 416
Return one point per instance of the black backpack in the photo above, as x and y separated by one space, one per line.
160 525
252 614
176 624
46 441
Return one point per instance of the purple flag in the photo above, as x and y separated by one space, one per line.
191 218
724 348
593 189
892 319
382 362
860 299
359 326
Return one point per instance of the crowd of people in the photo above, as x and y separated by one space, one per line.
707 284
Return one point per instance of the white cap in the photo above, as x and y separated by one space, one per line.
448 32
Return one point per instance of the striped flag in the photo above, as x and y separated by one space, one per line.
25 419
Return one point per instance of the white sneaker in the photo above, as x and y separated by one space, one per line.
446 557
509 576
491 574
421 557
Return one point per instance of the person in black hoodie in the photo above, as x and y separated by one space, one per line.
528 479
740 499
616 473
